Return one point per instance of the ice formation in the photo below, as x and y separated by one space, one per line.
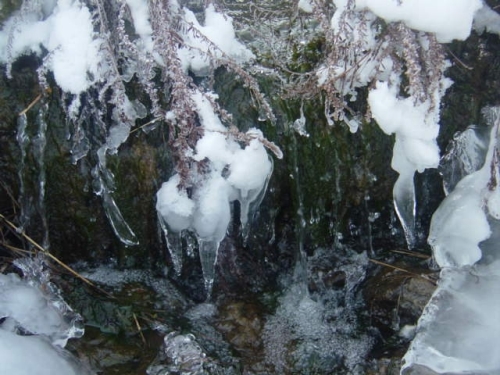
459 330
179 354
236 173
35 321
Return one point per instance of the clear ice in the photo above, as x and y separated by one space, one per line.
459 330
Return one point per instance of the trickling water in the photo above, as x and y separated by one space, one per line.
32 179
39 144
24 200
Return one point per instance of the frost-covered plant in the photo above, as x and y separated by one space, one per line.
94 48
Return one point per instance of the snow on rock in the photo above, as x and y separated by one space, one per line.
74 46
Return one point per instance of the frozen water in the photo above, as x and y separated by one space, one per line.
28 355
415 149
459 329
236 173
180 354
464 156
36 324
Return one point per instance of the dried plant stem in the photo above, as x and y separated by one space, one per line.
139 329
46 253
412 254
36 100
425 277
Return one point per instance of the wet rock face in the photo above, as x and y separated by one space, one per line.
241 324
395 299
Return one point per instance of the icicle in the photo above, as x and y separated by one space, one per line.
120 226
104 183
208 258
174 245
115 217
250 201
405 205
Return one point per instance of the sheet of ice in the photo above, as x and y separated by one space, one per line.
33 304
459 330
465 155
460 223
448 19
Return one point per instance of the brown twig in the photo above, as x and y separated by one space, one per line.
139 329
36 100
46 253
412 254
425 277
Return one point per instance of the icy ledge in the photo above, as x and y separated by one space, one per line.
459 331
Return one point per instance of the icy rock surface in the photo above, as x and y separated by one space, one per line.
459 329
